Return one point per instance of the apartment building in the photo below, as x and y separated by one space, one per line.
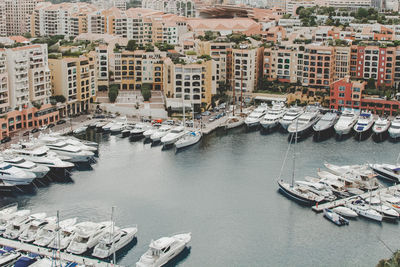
317 66
69 19
75 79
105 4
17 15
342 62
102 65
28 76
193 83
3 26
4 93
185 8
373 62
246 63
280 63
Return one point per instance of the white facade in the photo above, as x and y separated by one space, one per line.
28 75
244 69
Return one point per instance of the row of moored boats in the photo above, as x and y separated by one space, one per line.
101 240
304 120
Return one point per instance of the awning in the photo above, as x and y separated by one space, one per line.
271 98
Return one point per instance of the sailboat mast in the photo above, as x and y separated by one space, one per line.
294 153
398 159
112 234
58 235
183 108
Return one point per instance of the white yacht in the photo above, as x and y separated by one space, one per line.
346 122
189 139
162 131
174 135
233 122
6 219
66 234
8 257
48 233
364 210
15 176
107 127
87 235
292 114
29 234
19 224
148 133
327 121
80 130
163 250
345 211
394 129
139 129
112 242
381 126
39 155
364 123
119 125
304 123
26 165
76 154
387 171
82 144
255 117
273 116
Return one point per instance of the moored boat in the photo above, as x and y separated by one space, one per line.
335 218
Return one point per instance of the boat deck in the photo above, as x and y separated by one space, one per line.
343 201
49 253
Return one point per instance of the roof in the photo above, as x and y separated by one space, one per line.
19 39
161 243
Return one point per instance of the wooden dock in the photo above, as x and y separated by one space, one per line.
49 253
343 201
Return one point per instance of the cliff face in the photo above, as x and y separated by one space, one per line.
394 261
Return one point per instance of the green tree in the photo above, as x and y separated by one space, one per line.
371 83
361 13
132 45
149 47
146 93
113 92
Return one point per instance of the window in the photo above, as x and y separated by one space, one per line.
342 88
341 94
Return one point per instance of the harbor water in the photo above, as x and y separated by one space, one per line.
224 191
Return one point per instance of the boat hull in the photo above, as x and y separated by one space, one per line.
289 193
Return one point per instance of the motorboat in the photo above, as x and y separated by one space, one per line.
386 211
273 116
162 250
234 122
139 129
303 124
364 210
6 219
26 260
87 235
39 155
387 171
29 234
394 129
345 212
107 127
126 131
352 182
318 189
326 123
300 193
8 209
336 186
255 117
8 255
20 223
148 133
48 233
82 144
364 123
113 241
100 124
162 131
64 237
174 135
80 130
189 139
335 218
119 125
26 165
64 148
346 122
381 126
15 176
391 201
292 114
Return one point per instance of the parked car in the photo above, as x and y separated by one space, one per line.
6 139
197 116
26 133
34 130
169 122
220 115
99 116
212 118
51 125
42 128
206 113
61 122
222 106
